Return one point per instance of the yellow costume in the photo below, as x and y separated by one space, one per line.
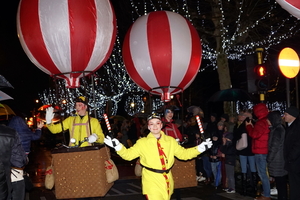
79 128
157 154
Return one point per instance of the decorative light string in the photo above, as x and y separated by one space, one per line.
112 81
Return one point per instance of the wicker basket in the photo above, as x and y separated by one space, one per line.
184 174
80 172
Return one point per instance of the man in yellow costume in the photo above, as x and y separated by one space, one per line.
156 153
84 130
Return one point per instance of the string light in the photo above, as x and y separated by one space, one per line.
231 32
112 81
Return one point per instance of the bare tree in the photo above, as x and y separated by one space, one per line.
229 29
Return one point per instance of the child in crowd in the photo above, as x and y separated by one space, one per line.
228 149
215 155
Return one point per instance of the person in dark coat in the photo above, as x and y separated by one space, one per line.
228 149
3 182
275 157
214 159
292 150
246 155
12 155
26 135
212 125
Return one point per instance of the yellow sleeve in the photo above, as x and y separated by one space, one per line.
57 128
186 154
130 153
96 128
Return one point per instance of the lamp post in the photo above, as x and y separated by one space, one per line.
288 62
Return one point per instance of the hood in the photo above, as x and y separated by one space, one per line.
18 123
260 110
275 118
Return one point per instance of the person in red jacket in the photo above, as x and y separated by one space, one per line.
169 126
259 132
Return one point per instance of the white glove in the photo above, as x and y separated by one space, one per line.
92 138
114 143
49 115
73 140
204 145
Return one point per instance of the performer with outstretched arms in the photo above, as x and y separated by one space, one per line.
156 153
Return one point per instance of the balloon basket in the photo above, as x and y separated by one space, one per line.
184 174
80 172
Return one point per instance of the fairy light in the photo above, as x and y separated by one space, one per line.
229 38
112 81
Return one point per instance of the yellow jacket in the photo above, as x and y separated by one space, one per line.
146 148
79 128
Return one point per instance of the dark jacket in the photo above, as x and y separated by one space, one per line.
11 154
238 131
229 150
260 131
292 147
3 183
211 128
25 134
275 157
214 150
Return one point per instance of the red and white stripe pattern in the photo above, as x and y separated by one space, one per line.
65 36
292 6
199 124
162 53
107 122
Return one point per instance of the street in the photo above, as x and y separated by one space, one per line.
126 188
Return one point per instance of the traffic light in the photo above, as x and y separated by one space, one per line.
262 80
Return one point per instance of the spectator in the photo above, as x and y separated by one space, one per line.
231 123
215 155
275 157
221 133
228 150
124 132
246 155
211 126
292 150
13 159
192 129
144 127
169 127
224 118
199 163
260 136
132 133
26 135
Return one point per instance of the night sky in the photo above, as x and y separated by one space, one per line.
29 81
15 66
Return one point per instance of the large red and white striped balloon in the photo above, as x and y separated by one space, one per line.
292 6
65 37
162 53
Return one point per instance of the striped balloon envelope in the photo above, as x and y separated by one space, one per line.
292 6
65 38
162 53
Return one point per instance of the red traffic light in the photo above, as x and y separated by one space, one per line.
260 70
